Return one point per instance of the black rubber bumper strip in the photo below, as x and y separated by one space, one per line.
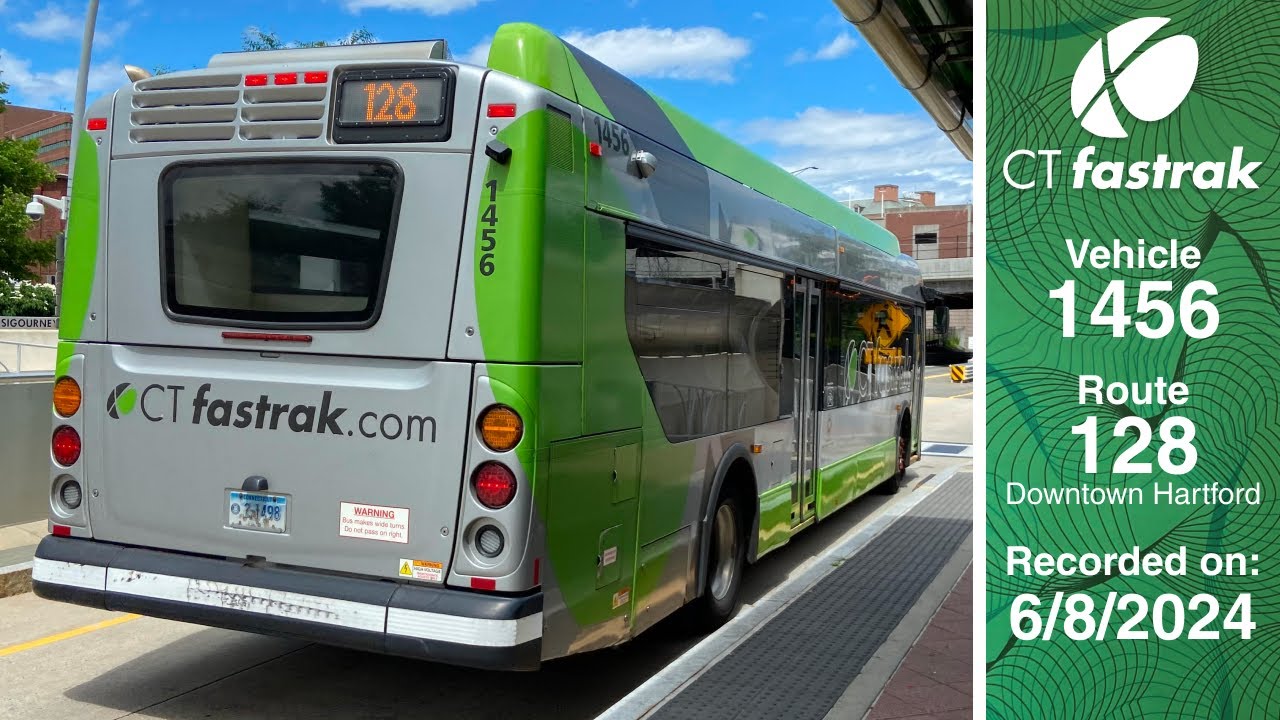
379 593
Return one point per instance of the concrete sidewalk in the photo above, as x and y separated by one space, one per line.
935 680
17 547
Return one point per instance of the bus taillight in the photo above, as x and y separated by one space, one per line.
66 397
495 485
500 428
66 447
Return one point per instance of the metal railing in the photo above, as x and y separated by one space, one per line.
945 247
18 352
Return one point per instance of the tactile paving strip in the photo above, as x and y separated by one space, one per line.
799 663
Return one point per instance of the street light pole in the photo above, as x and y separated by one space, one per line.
797 172
77 126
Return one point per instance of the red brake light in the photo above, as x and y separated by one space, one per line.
66 446
255 80
495 485
97 124
286 78
314 78
502 110
266 337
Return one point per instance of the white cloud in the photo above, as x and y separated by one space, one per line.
107 36
842 45
429 7
757 15
55 89
51 23
54 23
855 150
479 53
695 53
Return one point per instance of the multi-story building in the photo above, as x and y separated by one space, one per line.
53 129
940 238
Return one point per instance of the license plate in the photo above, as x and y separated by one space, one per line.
257 511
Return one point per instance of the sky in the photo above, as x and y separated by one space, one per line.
793 81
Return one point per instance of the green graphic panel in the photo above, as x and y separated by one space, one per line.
1128 105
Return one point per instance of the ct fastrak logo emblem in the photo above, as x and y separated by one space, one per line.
121 400
1150 85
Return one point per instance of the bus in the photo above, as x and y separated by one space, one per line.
480 365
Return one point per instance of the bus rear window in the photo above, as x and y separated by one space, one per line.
301 243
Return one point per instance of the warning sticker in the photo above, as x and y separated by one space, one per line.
422 570
373 522
609 557
622 597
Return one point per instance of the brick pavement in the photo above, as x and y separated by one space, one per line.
935 680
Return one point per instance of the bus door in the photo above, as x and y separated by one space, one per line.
808 321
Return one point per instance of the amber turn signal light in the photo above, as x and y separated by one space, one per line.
500 428
66 397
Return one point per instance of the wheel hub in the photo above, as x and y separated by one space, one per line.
724 551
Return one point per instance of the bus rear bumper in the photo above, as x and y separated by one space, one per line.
429 623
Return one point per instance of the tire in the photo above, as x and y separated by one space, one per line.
721 588
892 485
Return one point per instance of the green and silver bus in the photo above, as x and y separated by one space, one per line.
484 365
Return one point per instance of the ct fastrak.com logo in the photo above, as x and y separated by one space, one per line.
1150 85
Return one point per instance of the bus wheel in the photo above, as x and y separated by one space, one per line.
891 486
726 558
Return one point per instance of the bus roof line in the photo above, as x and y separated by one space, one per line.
412 50
537 55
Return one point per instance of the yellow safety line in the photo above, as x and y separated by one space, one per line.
962 394
50 639
931 377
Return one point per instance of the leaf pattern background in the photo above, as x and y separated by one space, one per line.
1033 49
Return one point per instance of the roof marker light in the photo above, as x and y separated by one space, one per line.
317 77
502 110
97 124
255 80
286 78
595 149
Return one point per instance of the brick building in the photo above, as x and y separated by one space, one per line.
53 129
940 238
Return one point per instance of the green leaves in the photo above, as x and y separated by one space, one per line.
24 299
20 176
256 39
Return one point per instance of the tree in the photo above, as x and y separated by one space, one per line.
255 39
20 175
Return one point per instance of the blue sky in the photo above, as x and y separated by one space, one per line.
794 81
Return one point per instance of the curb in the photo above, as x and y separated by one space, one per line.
15 579
652 694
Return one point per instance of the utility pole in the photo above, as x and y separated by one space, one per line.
77 127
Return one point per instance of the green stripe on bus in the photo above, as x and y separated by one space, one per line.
842 481
82 244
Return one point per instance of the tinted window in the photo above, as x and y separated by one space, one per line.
278 242
709 336
868 349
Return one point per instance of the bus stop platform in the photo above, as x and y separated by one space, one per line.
879 628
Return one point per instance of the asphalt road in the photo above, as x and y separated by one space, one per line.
62 661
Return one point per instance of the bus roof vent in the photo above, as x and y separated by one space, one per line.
172 108
218 106
283 112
